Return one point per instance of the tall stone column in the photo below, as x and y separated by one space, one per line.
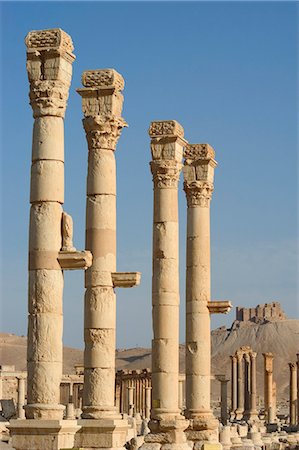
167 424
234 378
148 401
21 398
198 171
253 413
130 401
240 386
297 389
49 67
293 394
102 101
223 391
268 386
247 385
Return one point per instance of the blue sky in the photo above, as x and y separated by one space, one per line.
228 72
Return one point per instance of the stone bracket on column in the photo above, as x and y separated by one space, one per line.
125 279
219 306
75 260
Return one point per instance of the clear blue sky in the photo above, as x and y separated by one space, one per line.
228 73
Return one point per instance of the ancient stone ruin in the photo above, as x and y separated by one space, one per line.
268 312
157 409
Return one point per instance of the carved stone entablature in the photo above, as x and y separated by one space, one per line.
102 131
48 98
198 193
103 79
194 152
166 128
166 174
46 39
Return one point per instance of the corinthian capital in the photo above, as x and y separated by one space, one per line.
198 172
166 174
268 361
102 102
167 144
49 68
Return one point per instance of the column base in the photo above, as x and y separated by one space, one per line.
203 428
96 412
168 433
101 434
42 411
31 434
252 417
239 414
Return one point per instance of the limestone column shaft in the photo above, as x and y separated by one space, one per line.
224 401
297 389
247 384
148 401
21 398
234 378
167 150
102 105
240 375
253 408
268 386
293 393
49 67
198 185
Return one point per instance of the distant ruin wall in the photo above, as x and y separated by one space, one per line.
268 312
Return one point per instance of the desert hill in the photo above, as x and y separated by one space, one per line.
279 337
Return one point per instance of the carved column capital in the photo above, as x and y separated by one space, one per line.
198 172
102 102
198 193
167 144
166 174
103 131
247 357
293 367
253 355
268 360
239 356
49 68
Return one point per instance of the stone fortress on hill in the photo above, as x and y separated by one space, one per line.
268 312
150 409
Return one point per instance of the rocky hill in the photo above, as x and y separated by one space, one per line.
279 337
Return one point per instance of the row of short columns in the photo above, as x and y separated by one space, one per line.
243 385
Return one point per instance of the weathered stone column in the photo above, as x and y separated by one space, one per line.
102 105
234 378
21 398
223 392
148 401
293 393
247 385
198 171
167 424
253 413
240 386
297 389
130 401
268 368
49 67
